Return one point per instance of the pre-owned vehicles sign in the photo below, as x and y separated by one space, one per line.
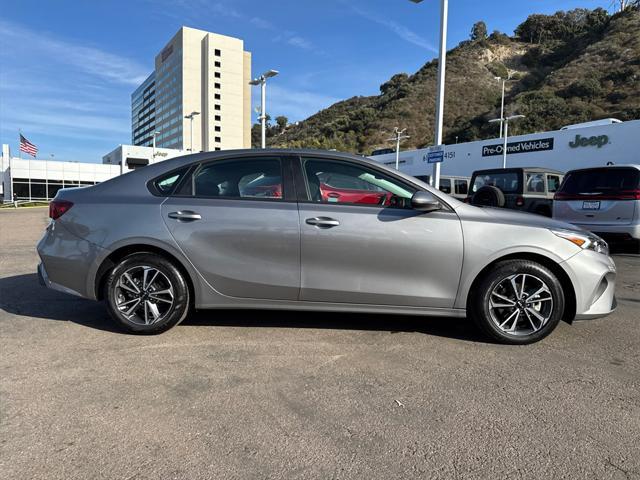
526 146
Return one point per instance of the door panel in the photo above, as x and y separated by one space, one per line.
237 222
242 248
380 256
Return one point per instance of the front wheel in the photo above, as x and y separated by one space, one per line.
147 294
517 302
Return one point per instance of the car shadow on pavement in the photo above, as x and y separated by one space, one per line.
455 328
23 295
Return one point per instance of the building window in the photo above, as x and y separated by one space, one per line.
217 64
216 85
216 107
217 52
216 74
217 148
217 128
218 118
217 96
217 139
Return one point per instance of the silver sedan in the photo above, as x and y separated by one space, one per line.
315 230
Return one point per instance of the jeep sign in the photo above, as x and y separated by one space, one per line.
597 141
526 146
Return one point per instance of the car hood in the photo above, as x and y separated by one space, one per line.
512 217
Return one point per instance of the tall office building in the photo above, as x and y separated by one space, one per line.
143 112
196 71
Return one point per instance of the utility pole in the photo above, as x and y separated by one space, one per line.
398 136
262 81
442 64
190 117
506 134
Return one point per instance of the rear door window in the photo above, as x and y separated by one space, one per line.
246 178
505 181
553 182
461 187
534 182
445 185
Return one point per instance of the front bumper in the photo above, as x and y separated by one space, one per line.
593 276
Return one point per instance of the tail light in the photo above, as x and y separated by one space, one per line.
632 194
519 201
57 208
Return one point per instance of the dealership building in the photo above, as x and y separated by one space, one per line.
31 179
590 144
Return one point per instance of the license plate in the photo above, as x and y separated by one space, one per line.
591 205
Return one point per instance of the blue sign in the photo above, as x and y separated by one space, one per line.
436 156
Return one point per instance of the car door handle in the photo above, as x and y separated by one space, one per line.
322 222
185 215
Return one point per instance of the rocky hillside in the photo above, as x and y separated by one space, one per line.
564 68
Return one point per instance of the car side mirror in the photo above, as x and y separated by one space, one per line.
425 202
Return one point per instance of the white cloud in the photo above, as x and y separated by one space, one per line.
299 42
96 62
400 30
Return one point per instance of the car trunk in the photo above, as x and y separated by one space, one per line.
599 196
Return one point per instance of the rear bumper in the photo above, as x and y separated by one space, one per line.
66 261
44 280
614 232
594 279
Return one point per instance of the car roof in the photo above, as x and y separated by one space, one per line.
511 169
628 165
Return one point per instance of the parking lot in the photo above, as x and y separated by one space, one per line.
257 394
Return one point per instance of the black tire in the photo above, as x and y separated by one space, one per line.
485 317
488 196
171 276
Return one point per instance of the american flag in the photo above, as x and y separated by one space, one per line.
27 147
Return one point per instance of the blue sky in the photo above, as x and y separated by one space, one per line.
67 68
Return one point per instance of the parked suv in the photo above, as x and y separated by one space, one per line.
528 189
457 187
605 200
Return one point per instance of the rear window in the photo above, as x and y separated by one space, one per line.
505 181
601 181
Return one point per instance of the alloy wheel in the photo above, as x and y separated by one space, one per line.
144 295
520 304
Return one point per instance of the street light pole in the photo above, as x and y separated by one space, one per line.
153 144
506 134
442 60
398 136
502 107
190 117
262 81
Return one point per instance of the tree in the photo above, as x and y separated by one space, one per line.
282 122
479 31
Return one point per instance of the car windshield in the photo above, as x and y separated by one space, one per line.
505 181
601 181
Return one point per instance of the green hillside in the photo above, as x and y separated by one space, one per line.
565 68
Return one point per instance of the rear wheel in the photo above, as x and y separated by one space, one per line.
146 294
517 302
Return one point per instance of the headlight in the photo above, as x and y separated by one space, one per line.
584 240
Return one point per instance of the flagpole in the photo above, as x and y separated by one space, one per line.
19 149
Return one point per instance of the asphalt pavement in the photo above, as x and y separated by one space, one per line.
268 394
